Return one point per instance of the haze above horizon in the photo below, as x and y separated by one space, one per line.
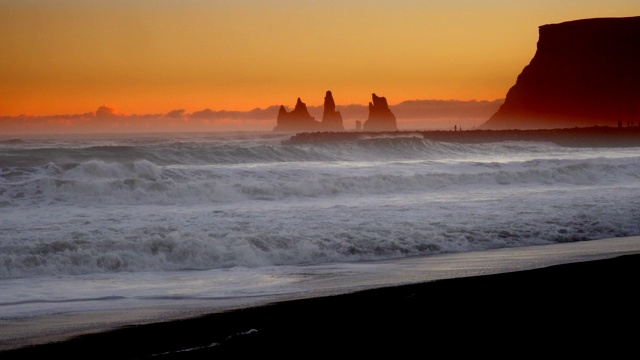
150 57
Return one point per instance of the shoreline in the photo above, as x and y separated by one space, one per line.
583 306
597 136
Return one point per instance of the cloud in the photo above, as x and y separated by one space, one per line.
269 114
105 111
444 109
414 114
176 114
204 114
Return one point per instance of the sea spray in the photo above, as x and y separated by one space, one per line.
145 183
165 203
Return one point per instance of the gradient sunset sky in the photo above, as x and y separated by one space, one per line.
154 56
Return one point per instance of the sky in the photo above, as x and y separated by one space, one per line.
157 56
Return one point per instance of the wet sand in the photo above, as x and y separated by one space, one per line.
585 308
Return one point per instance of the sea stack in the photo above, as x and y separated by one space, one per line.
297 120
380 116
584 73
331 119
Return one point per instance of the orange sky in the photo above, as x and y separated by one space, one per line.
154 56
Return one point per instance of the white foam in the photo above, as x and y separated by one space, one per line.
142 182
249 201
108 238
50 308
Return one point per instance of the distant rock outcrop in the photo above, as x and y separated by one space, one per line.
331 119
380 116
297 120
584 73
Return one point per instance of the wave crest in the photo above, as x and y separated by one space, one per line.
143 182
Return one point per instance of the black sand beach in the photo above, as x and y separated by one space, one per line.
586 308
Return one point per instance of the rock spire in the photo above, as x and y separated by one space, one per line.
297 120
331 119
380 116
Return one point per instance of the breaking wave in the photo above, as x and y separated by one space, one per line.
169 203
212 172
247 152
143 182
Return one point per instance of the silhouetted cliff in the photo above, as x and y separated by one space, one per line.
380 116
298 119
584 73
331 119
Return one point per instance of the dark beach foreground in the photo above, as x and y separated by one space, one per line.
585 308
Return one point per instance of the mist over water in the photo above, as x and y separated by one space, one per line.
137 203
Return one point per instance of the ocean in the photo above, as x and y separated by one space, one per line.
152 226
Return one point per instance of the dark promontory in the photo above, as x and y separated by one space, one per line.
380 116
584 73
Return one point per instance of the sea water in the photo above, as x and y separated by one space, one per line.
94 222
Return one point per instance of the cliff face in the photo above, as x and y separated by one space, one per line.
584 73
380 116
297 120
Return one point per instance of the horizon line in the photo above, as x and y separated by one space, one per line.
113 110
